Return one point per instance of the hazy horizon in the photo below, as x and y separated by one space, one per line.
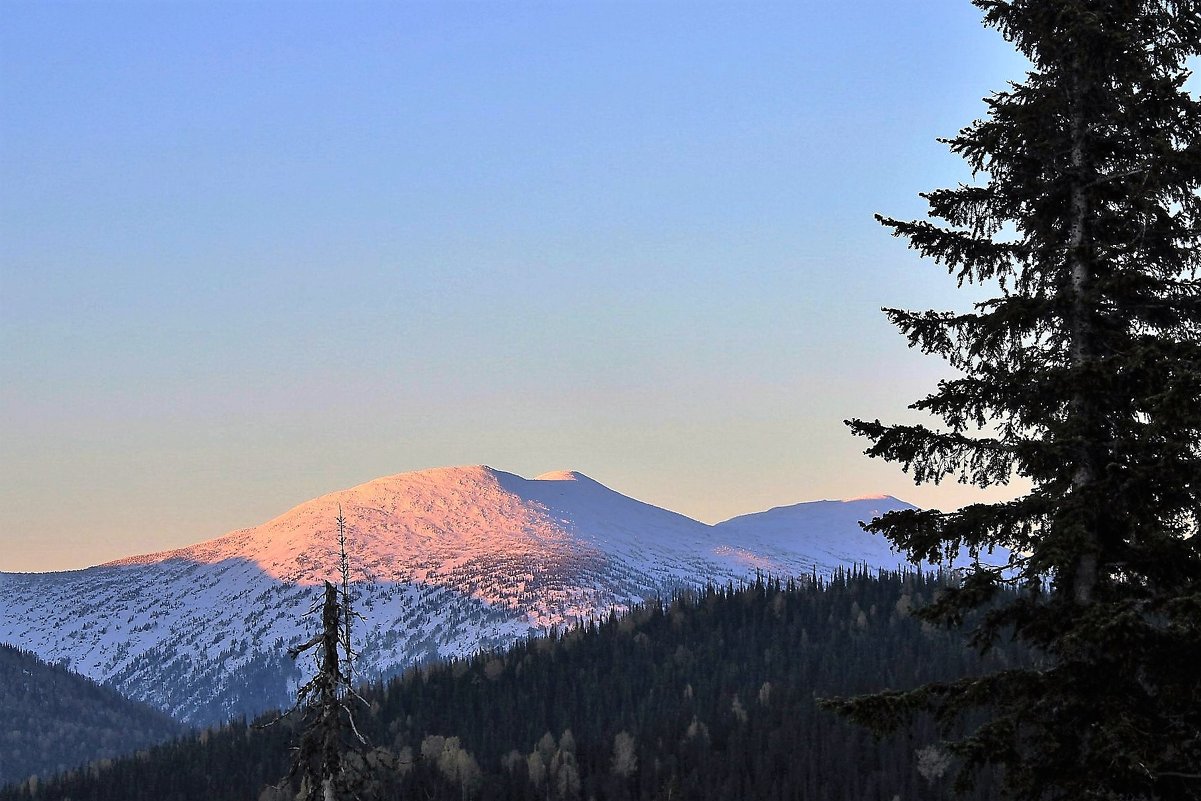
254 253
627 491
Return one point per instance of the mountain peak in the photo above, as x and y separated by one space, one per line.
444 561
565 475
436 475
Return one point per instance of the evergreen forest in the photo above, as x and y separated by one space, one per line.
711 695
55 719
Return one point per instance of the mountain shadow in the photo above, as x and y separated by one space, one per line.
443 563
56 719
707 696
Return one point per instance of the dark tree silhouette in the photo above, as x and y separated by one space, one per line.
1082 374
328 727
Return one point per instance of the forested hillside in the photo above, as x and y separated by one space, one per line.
710 696
55 719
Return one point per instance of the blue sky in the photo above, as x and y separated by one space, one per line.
254 252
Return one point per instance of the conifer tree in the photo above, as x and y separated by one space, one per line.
320 758
1083 375
328 759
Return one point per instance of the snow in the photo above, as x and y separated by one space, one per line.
826 534
444 562
563 475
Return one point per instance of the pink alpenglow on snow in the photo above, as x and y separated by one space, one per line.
444 562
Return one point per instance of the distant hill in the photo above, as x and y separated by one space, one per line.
54 719
709 698
825 533
444 562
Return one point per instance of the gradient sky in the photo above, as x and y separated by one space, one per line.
254 252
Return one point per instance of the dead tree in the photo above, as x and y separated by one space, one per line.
329 729
347 614
330 760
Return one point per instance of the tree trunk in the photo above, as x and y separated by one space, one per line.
1084 578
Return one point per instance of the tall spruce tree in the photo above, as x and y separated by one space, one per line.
1083 375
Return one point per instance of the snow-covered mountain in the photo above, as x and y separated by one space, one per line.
825 534
444 562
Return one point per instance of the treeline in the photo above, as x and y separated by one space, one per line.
707 696
54 719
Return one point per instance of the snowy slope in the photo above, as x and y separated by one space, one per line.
444 562
822 535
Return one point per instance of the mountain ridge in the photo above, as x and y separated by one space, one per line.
444 562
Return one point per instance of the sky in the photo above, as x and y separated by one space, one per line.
254 252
